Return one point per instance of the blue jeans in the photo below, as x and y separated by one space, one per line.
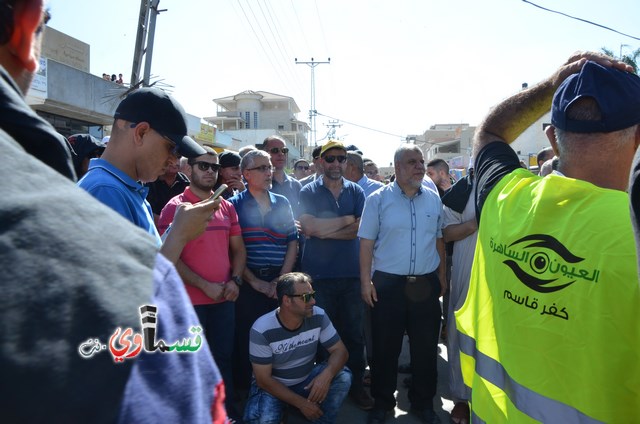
263 408
218 325
341 300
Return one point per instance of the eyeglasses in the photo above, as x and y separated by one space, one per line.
205 166
332 158
262 168
174 146
276 150
299 167
306 297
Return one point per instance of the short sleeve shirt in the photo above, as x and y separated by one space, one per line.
404 229
291 353
207 255
330 258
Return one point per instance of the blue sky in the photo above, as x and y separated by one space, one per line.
398 67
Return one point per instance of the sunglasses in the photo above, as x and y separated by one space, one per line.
205 166
332 158
276 150
306 168
306 297
262 168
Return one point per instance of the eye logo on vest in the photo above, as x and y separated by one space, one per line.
543 263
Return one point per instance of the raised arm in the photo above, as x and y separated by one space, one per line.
506 121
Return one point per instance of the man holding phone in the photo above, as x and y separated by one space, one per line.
149 133
211 265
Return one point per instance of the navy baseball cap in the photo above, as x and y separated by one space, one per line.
616 92
163 113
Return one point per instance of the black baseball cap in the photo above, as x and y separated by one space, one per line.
163 113
616 92
229 159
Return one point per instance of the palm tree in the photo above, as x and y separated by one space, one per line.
630 59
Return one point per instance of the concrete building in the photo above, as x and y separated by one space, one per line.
251 116
451 142
454 143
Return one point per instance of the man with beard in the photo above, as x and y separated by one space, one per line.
211 266
283 349
167 186
401 241
230 174
271 241
330 213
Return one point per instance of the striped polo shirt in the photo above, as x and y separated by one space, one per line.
291 353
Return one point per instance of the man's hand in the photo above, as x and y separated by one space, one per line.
188 223
234 184
191 220
310 410
368 293
213 290
319 387
230 291
266 288
578 59
443 283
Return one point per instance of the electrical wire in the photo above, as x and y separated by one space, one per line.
403 137
264 50
580 19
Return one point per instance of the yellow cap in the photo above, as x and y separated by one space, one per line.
332 144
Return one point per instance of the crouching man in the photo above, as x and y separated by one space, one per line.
282 350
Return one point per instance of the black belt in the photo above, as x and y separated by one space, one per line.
407 278
268 271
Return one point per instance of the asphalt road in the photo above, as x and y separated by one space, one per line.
351 414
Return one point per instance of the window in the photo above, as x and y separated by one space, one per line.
247 120
255 120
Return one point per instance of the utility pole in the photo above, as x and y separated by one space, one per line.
333 124
313 112
144 41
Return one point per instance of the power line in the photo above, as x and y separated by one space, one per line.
362 126
403 137
580 19
275 68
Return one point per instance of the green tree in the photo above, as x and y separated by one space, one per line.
629 58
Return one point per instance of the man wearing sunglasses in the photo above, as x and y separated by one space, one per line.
282 183
331 208
283 348
301 169
211 266
149 133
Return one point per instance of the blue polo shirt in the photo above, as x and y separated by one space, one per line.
330 258
369 186
265 236
404 229
121 193
290 188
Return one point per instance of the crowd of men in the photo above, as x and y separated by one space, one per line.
297 282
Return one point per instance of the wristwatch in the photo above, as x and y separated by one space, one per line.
237 279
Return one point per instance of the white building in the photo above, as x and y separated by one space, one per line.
251 116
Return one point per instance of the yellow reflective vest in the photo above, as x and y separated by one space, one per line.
550 330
